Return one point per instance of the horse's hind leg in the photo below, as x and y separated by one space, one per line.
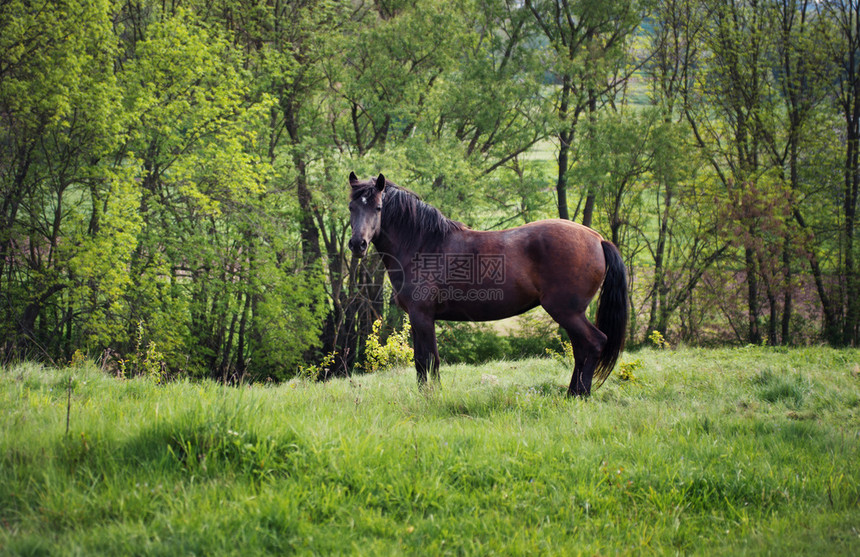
588 342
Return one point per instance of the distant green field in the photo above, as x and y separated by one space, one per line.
731 451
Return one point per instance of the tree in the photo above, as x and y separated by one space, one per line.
60 116
686 242
728 110
844 16
587 53
799 73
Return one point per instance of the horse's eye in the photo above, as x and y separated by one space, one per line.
379 208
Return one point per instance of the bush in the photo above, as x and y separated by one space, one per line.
471 343
476 343
395 352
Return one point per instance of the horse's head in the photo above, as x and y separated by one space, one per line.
365 212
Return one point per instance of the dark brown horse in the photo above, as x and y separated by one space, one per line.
441 269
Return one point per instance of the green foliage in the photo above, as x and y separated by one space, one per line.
657 340
182 165
395 352
315 372
471 343
100 264
146 360
288 319
475 343
626 370
565 357
59 99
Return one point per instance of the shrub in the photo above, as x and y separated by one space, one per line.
149 363
395 352
658 340
477 343
565 357
471 343
626 370
313 372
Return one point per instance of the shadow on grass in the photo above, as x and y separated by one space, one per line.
212 447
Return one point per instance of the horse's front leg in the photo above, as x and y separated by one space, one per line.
424 343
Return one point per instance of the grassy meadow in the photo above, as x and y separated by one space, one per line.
728 451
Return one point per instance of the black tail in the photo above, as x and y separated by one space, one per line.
612 312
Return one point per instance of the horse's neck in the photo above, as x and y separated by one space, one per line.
390 246
399 241
396 257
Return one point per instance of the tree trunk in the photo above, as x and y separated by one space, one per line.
591 192
588 210
656 323
311 252
851 325
786 297
754 332
241 364
564 139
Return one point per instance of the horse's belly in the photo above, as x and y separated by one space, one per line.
484 307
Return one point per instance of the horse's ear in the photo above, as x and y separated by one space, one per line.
352 179
380 183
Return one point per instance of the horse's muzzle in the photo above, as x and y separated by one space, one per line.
358 246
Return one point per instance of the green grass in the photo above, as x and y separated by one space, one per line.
744 451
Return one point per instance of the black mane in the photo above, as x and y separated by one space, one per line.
421 224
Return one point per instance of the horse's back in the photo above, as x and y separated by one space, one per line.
558 236
545 255
553 242
564 252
